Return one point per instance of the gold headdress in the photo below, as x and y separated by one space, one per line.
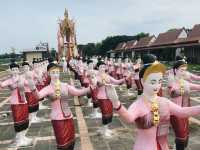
154 68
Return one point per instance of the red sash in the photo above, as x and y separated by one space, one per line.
160 92
158 146
31 99
21 100
48 80
129 83
180 127
39 87
94 95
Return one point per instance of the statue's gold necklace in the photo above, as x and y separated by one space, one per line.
154 110
181 83
104 78
57 88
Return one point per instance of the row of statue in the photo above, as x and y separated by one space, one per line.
152 112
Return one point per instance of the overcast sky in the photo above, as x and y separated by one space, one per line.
24 23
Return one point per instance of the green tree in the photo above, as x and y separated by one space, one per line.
53 53
13 50
173 29
107 44
88 49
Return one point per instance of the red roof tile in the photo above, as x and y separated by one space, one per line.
120 46
131 44
143 42
194 34
168 37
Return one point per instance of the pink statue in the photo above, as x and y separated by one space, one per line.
93 91
33 103
73 65
19 106
86 80
119 69
127 73
136 69
111 68
150 110
179 90
38 79
104 102
46 77
80 70
61 116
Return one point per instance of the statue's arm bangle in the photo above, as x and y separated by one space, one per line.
118 108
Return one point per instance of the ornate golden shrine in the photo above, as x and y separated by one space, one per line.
66 36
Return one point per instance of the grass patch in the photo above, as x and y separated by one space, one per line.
194 127
3 67
192 67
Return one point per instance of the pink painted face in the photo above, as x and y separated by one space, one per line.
85 67
14 71
90 66
35 65
138 61
54 74
181 72
106 58
93 79
119 60
102 68
26 68
153 83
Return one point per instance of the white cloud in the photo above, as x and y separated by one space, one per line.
24 23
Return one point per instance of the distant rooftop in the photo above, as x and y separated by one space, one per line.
41 47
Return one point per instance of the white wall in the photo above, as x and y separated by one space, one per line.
30 56
183 34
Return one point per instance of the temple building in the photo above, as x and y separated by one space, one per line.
39 51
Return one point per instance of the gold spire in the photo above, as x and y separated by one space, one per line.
66 13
